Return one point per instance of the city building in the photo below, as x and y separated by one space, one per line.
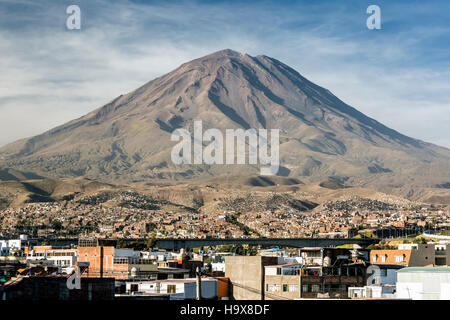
6 246
423 283
283 281
329 272
380 283
246 274
59 257
110 262
180 289
412 255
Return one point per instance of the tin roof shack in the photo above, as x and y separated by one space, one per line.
423 283
55 288
329 272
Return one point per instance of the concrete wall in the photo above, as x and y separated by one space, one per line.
422 256
246 274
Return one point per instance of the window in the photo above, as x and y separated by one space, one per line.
374 258
315 288
383 258
171 288
273 287
383 272
293 288
134 287
305 288
398 258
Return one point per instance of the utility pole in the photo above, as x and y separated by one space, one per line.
199 283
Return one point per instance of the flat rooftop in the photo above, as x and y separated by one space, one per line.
425 269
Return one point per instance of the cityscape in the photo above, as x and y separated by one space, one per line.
220 159
125 245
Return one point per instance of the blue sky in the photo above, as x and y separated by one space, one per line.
399 75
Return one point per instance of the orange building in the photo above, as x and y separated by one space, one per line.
390 257
223 287
109 262
408 255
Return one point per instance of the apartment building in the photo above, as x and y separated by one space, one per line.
322 273
8 246
109 262
283 282
58 257
329 272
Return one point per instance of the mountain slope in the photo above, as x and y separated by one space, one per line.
320 136
9 174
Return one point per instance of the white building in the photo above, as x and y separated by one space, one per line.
58 257
365 292
7 245
178 289
218 266
218 260
157 255
423 283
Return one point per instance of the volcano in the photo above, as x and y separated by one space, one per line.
321 137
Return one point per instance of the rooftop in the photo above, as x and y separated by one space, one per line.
425 269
